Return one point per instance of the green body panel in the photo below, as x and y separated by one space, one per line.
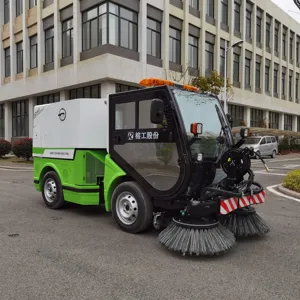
113 176
79 175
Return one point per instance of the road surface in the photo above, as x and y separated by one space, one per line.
79 253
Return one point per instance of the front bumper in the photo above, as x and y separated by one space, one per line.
229 205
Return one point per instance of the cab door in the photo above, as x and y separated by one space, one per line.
151 154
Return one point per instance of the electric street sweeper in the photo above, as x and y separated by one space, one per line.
150 157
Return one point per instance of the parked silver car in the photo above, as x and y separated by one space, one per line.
264 145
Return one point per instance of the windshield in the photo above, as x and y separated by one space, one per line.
205 109
252 141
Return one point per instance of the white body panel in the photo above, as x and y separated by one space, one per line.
85 125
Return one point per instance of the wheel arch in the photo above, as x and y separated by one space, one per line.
47 168
108 191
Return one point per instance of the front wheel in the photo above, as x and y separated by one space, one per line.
52 190
132 208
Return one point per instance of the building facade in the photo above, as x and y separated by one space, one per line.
58 50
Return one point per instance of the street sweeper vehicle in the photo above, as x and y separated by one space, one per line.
151 157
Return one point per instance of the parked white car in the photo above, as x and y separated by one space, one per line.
264 145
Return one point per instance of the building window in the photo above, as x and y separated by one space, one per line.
110 23
273 120
20 121
291 45
258 25
92 91
236 67
175 46
6 12
194 4
267 79
209 57
19 50
7 62
153 38
211 8
67 38
49 45
297 88
248 24
2 121
32 3
268 32
237 17
247 72
224 12
288 122
124 88
193 52
297 52
256 116
257 75
284 43
298 124
290 86
19 7
222 61
283 84
275 87
237 114
33 52
51 98
276 38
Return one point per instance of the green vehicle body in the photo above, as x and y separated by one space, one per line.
79 176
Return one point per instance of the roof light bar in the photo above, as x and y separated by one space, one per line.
147 82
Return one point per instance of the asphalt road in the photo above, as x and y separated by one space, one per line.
79 253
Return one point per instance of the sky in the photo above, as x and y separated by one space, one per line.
289 7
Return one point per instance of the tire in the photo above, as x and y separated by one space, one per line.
273 154
132 208
52 191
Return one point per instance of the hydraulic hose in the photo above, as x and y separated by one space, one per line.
222 192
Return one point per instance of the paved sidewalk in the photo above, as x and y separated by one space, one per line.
15 166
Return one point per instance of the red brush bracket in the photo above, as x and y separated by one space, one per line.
229 205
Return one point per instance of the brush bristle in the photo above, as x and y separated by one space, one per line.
245 225
191 241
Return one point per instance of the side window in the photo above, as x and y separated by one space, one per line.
268 140
273 139
144 115
125 116
263 141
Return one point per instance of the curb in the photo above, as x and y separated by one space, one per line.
288 192
15 168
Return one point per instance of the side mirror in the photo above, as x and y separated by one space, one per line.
157 111
196 128
230 120
244 132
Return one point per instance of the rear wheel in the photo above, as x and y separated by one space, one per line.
132 208
273 154
52 190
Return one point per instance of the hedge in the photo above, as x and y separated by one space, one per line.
5 147
23 148
292 181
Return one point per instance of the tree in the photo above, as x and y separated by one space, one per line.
213 84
